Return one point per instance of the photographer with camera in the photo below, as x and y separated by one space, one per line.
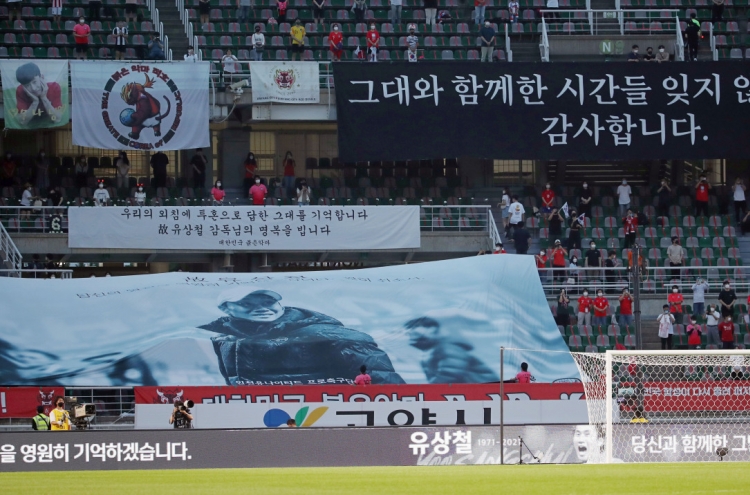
181 417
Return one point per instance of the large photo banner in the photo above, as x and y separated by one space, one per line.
285 82
579 111
35 93
246 228
140 106
439 322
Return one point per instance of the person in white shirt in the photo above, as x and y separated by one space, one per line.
26 199
624 192
190 56
229 62
740 203
303 194
504 204
140 196
713 317
513 9
122 166
516 214
259 43
101 195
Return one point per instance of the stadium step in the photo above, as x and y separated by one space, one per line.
173 27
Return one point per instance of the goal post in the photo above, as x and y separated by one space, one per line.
667 406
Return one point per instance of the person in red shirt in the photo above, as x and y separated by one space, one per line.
288 181
626 310
524 376
36 99
675 304
363 378
548 198
541 263
559 254
258 193
694 334
701 196
373 44
251 165
499 249
726 330
336 43
630 226
584 308
601 305
81 33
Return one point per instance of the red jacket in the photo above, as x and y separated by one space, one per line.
726 330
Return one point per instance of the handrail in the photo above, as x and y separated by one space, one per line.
714 51
544 45
680 52
11 252
508 51
45 273
494 232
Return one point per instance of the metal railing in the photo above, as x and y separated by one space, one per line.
508 51
712 38
544 44
456 218
609 21
576 279
56 273
36 219
8 250
679 43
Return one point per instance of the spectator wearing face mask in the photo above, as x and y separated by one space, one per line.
584 308
101 195
630 226
558 260
487 37
373 44
664 192
626 310
693 332
610 263
541 263
676 257
81 32
574 235
573 272
649 56
593 260
713 317
701 195
516 215
624 192
140 195
662 55
699 295
666 328
633 55
675 301
258 193
726 331
521 238
601 306
336 43
548 198
217 193
584 201
303 194
504 204
727 298
259 43
554 222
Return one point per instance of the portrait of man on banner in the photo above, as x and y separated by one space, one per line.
35 94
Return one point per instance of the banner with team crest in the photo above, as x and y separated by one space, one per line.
285 82
140 106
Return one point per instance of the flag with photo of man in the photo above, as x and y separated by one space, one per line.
35 93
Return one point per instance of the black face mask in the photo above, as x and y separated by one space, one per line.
60 404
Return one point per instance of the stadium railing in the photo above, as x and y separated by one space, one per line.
37 273
8 250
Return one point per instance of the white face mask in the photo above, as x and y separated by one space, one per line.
585 186
140 189
674 290
593 246
101 186
372 27
547 186
257 181
661 50
600 294
81 21
624 182
218 184
541 253
335 28
585 294
726 286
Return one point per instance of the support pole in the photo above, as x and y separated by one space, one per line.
636 278
502 397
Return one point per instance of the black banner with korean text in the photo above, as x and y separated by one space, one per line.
579 111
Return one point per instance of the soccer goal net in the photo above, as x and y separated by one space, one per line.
666 406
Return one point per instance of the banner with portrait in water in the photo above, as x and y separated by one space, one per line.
438 322
140 106
35 93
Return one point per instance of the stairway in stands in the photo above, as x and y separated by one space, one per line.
173 28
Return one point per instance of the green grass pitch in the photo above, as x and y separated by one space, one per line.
632 479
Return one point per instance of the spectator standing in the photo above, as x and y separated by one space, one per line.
676 257
694 334
120 32
131 10
563 302
548 198
59 417
701 195
363 378
303 194
122 169
14 8
217 193
713 317
630 226
258 193
289 173
633 55
700 287
584 308
740 203
693 35
56 11
318 6
524 376
373 43
601 307
675 301
204 8
558 260
41 170
251 167
623 193
574 236
717 10
664 193
190 56
281 6
412 42
54 198
726 331
229 65
505 208
243 10
396 6
40 422
727 298
516 213
155 47
573 272
27 199
584 201
479 8
297 34
359 7
487 36
81 32
336 42
198 164
662 55
94 6
610 264
626 310
159 163
513 9
541 263
555 221
81 172
666 328
430 11
259 43
521 238
593 260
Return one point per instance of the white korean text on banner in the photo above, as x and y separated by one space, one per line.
248 228
35 93
285 82
440 323
140 106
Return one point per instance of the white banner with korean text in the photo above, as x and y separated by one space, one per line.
285 82
247 228
140 106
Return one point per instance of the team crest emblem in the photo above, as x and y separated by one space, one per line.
285 78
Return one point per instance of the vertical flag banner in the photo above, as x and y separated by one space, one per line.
285 82
144 106
35 93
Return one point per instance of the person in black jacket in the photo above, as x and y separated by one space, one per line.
693 35
521 238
